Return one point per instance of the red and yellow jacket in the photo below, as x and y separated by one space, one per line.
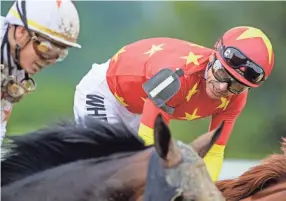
135 63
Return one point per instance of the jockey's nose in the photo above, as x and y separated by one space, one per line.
222 86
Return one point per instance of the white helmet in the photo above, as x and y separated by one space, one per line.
55 19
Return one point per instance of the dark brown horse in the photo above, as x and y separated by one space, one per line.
264 182
98 161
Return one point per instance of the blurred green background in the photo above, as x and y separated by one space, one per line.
107 26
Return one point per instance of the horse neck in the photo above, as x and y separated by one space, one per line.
120 177
131 179
274 192
270 172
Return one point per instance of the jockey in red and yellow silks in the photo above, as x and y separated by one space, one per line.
214 82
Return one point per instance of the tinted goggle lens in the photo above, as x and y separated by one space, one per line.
238 61
48 51
222 75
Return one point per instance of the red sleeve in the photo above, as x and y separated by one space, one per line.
179 97
146 129
229 116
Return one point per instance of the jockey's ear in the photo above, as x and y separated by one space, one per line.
203 143
18 35
164 144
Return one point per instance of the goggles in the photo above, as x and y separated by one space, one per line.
221 74
242 64
17 90
44 48
47 50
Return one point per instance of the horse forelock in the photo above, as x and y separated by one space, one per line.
270 172
62 143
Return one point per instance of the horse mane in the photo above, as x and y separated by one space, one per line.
271 171
62 143
271 192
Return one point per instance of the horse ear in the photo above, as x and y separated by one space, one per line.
164 144
203 143
162 137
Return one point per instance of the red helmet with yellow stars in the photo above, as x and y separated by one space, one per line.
246 53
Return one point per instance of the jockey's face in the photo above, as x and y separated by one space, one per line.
214 88
29 59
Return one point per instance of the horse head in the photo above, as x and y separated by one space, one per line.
177 171
101 161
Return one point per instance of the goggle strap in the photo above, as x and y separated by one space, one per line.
23 15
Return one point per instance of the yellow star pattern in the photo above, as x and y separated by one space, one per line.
192 58
191 117
115 57
120 99
253 33
194 45
154 49
224 103
192 92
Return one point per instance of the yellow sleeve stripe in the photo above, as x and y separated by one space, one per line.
214 160
146 134
217 148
